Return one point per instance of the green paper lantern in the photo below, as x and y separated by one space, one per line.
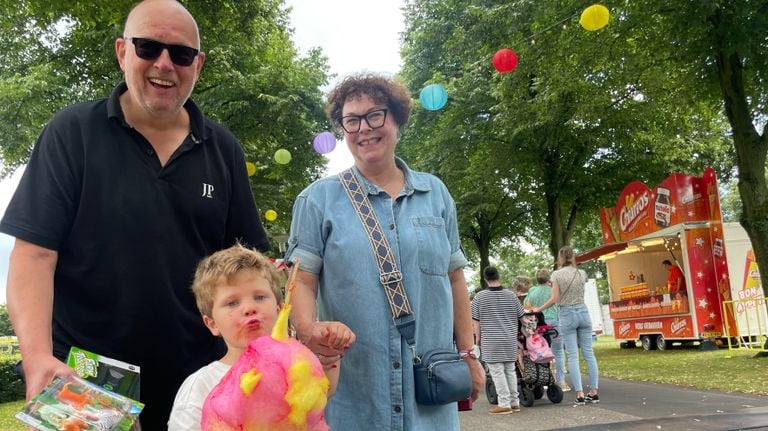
282 156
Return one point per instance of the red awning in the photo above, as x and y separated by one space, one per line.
599 251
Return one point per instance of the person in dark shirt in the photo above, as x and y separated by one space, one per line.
122 197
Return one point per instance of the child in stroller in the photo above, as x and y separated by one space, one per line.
532 375
535 362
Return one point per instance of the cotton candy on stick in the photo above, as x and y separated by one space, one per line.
276 384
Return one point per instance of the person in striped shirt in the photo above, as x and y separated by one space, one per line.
495 315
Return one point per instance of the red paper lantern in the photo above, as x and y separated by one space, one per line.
505 60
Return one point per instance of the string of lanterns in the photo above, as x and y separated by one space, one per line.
593 18
434 97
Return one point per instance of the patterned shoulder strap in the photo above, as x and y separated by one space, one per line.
389 275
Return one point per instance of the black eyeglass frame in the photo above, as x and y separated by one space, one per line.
150 49
364 117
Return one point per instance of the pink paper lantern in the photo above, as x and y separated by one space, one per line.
505 60
324 142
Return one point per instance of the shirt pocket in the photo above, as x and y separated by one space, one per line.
434 248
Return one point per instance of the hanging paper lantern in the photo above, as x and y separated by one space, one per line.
270 215
282 156
251 168
324 142
505 60
433 97
594 17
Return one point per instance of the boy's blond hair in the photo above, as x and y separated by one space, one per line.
222 266
521 284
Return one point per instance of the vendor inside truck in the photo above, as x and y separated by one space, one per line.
675 278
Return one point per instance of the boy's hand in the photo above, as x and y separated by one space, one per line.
327 341
339 336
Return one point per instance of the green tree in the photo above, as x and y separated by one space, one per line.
730 201
735 35
583 114
716 53
58 53
5 321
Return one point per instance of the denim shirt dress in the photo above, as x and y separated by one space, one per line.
375 390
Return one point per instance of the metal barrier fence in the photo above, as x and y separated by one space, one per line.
751 330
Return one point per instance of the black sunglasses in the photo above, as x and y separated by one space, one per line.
148 49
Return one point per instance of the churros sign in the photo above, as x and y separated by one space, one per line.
641 210
635 208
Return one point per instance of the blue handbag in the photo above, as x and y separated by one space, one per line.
441 377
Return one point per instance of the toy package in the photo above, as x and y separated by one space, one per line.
111 374
73 404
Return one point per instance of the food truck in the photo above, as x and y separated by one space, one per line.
679 221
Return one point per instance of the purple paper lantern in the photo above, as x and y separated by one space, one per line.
324 142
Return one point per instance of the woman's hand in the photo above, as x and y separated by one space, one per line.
328 340
478 376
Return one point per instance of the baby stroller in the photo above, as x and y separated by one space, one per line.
534 376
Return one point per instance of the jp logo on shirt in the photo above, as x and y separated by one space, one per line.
207 191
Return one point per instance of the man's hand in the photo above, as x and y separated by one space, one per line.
40 370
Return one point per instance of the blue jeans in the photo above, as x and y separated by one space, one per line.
576 329
557 350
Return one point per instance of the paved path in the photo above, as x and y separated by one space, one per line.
622 404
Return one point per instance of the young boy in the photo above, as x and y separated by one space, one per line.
238 294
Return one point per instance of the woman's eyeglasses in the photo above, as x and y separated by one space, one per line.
148 49
352 123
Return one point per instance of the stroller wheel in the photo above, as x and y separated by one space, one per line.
490 391
526 395
538 392
555 393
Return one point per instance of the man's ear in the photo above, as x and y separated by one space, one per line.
120 51
211 325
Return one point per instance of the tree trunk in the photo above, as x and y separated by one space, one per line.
480 235
750 152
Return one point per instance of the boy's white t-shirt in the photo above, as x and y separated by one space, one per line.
187 409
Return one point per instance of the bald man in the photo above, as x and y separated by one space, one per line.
120 200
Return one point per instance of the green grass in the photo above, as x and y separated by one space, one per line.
723 370
7 420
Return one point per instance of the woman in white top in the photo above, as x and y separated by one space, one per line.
575 325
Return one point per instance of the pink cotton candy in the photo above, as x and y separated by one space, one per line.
290 393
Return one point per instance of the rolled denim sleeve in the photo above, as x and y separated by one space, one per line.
458 258
305 241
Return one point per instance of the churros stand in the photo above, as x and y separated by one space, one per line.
678 220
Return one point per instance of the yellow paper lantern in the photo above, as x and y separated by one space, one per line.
282 156
270 215
594 17
251 167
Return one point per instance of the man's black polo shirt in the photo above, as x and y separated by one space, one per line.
129 234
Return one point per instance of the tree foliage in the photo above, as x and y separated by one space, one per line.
254 81
583 114
5 321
